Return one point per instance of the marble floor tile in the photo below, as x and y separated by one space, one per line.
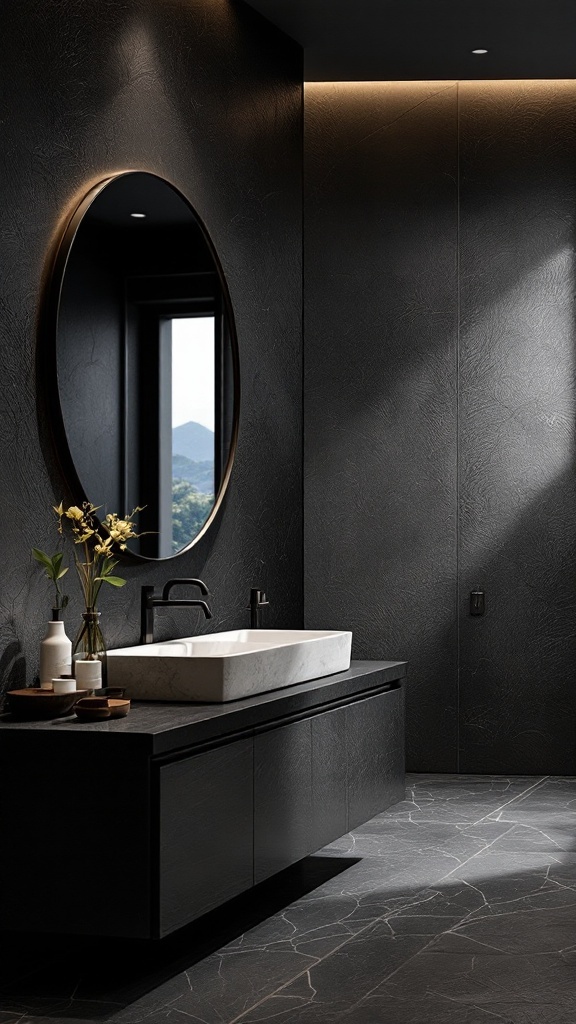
502 876
389 838
459 798
553 800
73 1011
229 982
379 881
545 834
453 900
436 1010
220 988
481 978
465 788
324 992
558 789
518 931
456 906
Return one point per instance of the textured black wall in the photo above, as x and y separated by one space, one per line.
380 427
517 425
439 425
207 94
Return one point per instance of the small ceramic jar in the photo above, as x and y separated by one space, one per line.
88 675
64 684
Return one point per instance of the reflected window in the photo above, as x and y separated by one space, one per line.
176 405
192 424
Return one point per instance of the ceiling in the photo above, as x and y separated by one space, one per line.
386 40
140 192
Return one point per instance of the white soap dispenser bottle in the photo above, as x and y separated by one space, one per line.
55 652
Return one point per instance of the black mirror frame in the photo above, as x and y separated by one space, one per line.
46 351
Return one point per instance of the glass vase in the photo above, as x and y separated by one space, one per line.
89 643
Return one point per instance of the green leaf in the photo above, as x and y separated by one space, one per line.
42 557
62 573
116 581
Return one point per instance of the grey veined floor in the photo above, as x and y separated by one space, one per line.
457 906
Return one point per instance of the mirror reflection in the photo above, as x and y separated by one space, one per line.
145 361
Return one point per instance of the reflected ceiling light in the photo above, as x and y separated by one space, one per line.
479 51
138 215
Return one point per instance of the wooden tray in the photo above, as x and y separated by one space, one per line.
99 708
35 703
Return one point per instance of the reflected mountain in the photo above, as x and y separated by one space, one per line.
194 442
192 480
199 474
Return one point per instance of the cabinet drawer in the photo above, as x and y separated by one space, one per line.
205 841
329 776
283 821
375 742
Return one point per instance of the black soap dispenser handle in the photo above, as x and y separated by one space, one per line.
257 601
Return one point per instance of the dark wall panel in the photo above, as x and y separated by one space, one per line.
208 94
380 408
517 419
436 211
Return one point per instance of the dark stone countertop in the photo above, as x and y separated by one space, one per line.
162 728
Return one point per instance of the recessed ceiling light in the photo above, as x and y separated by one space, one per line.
479 51
138 215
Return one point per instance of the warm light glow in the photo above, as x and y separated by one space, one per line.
401 82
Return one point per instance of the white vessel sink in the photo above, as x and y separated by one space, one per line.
227 666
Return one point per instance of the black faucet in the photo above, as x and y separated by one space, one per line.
151 600
257 601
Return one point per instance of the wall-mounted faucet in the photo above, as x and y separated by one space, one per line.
257 602
151 600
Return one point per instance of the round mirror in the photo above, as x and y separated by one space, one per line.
140 361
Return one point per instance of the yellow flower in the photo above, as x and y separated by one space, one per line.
103 548
97 566
121 530
74 512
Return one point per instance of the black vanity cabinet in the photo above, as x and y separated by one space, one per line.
316 779
372 725
282 798
136 827
205 835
